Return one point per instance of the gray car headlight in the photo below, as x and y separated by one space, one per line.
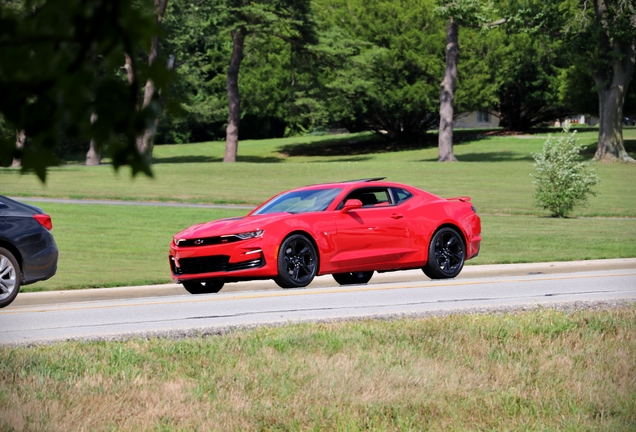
249 235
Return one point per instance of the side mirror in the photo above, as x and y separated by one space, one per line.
351 204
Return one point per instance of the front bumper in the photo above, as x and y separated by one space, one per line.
244 260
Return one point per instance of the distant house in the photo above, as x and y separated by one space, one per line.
486 119
476 119
577 119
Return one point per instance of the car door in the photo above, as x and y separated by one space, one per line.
375 236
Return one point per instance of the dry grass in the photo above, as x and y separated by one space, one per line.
543 370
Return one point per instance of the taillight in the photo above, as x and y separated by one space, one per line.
44 219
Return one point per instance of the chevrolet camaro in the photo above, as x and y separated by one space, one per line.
349 230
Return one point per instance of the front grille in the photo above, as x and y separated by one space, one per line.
211 264
207 264
207 241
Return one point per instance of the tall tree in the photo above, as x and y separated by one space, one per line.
601 35
289 20
613 28
382 60
457 12
145 140
447 94
233 96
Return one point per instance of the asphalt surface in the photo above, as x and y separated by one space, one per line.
469 272
180 315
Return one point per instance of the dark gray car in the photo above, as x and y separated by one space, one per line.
28 252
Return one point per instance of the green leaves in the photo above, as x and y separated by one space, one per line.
61 61
562 181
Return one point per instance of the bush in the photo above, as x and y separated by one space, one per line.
562 181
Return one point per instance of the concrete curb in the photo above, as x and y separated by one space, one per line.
469 272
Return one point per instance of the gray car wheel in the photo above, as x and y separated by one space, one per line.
9 277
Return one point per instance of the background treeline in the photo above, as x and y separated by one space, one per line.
119 73
368 65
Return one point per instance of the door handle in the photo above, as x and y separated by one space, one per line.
397 216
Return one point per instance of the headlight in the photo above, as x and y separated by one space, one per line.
248 235
176 241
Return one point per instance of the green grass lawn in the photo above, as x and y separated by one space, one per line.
110 245
117 245
495 172
541 370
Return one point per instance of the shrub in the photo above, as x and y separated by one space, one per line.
562 180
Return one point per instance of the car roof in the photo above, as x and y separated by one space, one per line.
351 184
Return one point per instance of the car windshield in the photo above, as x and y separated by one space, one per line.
301 201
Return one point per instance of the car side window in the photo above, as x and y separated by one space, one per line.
401 195
370 197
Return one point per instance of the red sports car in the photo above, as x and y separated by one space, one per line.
348 229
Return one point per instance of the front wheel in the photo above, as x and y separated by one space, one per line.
203 287
9 277
446 255
297 262
353 278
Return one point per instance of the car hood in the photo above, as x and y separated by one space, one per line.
228 226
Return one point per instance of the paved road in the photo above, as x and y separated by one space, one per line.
183 315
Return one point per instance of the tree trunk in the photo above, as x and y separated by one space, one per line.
94 155
234 100
612 83
20 139
145 141
130 70
610 133
447 95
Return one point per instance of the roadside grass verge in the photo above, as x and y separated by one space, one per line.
110 245
539 370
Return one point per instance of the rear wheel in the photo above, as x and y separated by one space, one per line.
297 262
353 278
9 277
203 287
446 254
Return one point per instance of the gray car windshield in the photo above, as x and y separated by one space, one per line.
302 201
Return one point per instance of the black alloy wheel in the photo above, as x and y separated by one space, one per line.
353 278
446 254
203 287
297 262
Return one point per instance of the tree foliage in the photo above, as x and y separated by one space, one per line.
387 57
60 61
604 33
562 181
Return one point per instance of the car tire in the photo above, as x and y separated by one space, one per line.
353 278
203 287
10 277
446 254
297 262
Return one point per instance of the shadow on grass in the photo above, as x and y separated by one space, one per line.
346 159
590 150
184 159
207 159
503 156
355 146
